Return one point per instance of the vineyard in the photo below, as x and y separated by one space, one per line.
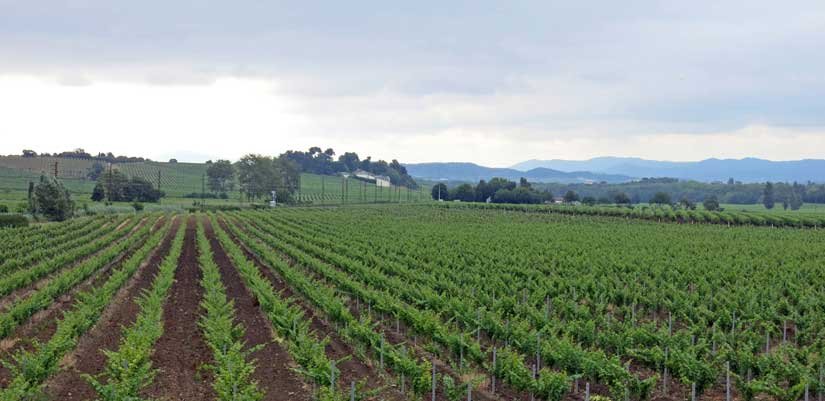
413 302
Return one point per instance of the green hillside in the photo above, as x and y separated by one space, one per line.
180 179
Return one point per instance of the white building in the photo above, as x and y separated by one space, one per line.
379 180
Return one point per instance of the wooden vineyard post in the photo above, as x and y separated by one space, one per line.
587 391
493 378
547 308
664 373
381 358
332 375
821 382
669 323
532 395
784 331
693 391
433 389
352 391
470 392
403 382
727 381
538 350
767 341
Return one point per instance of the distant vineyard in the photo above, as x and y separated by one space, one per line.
666 214
319 189
176 179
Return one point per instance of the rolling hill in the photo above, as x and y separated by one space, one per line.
745 170
473 172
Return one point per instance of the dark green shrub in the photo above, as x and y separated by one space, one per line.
13 220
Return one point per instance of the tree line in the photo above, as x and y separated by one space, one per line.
324 162
497 190
80 153
502 190
792 195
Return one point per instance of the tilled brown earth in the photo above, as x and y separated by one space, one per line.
274 366
88 358
181 353
352 369
43 324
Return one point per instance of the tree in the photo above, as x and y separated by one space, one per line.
29 153
255 175
98 193
114 183
523 183
711 203
350 161
589 200
464 193
768 196
173 161
661 198
440 192
221 176
259 175
687 204
94 171
621 198
52 199
795 201
140 190
571 196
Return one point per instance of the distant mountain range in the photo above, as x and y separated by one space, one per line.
745 170
622 169
473 172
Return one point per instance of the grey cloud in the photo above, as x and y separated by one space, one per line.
556 64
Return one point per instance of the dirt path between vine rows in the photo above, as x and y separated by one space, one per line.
88 357
181 353
274 366
43 324
353 369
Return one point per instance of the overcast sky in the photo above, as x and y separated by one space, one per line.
489 82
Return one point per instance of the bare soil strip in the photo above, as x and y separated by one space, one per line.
274 365
88 357
43 324
181 353
353 369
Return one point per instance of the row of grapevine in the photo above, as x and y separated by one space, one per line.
231 366
129 369
640 293
55 249
458 343
31 368
42 297
663 214
395 357
24 242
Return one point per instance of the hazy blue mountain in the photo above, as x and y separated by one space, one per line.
745 170
473 172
